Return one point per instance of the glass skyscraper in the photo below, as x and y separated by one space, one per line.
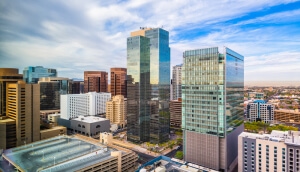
138 89
158 115
32 74
212 106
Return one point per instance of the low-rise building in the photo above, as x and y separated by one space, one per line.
255 95
69 153
52 132
284 115
90 125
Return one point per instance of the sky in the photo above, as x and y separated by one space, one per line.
74 36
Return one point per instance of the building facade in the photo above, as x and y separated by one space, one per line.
23 107
90 125
118 82
74 105
288 116
260 111
278 151
212 106
138 89
175 113
157 45
176 82
95 81
256 95
32 74
7 75
50 90
116 110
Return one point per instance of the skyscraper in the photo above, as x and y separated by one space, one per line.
138 89
32 74
24 108
50 90
95 81
159 50
176 82
212 106
118 81
7 75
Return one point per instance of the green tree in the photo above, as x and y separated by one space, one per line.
179 155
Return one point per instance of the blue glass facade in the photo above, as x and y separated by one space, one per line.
212 105
138 89
32 74
160 84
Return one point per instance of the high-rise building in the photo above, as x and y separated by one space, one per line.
50 90
175 113
118 81
92 103
32 74
212 106
138 89
176 82
95 81
23 107
259 110
75 87
116 110
7 75
159 50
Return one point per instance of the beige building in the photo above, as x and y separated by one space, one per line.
23 106
264 152
7 75
284 115
116 110
52 132
7 133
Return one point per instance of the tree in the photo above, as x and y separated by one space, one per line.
179 155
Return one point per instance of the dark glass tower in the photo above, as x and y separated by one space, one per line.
157 114
212 106
138 89
160 84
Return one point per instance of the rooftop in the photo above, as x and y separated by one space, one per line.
89 119
172 164
288 137
61 153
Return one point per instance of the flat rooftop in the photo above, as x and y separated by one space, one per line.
61 153
172 164
89 119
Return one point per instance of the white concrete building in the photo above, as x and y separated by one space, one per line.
259 110
278 151
176 82
92 103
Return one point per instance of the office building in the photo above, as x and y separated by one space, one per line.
69 153
212 106
95 81
157 41
23 107
7 75
175 113
138 89
32 74
74 105
51 88
176 82
7 133
75 87
118 82
278 151
116 110
260 111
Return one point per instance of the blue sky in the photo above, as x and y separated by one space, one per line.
74 36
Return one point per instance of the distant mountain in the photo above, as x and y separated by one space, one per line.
77 79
